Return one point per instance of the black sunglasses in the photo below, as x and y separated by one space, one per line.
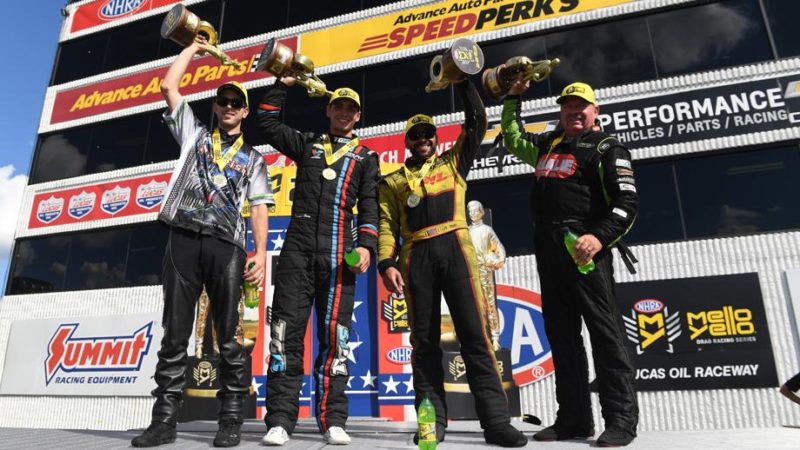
235 102
425 133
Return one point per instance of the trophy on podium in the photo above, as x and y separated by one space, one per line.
183 26
281 61
498 80
462 59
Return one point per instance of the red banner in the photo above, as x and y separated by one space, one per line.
144 87
120 198
101 12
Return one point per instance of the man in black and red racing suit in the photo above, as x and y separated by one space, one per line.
334 173
583 182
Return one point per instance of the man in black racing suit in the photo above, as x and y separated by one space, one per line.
424 203
584 182
334 172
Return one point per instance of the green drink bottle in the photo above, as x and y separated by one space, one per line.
569 242
351 257
426 420
251 297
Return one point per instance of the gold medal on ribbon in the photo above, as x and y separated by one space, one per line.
220 180
413 200
329 174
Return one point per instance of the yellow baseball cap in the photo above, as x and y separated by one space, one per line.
578 89
237 87
419 119
345 92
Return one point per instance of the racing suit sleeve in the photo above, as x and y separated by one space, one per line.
368 204
520 143
389 227
474 128
259 190
619 188
282 137
183 125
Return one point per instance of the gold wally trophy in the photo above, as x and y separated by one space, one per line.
498 80
462 59
183 26
281 61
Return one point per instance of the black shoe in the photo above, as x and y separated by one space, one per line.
505 436
156 434
558 432
229 433
440 432
615 437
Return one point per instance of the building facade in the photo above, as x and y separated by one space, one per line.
703 93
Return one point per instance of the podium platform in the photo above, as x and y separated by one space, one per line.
374 434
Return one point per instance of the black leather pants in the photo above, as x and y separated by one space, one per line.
192 261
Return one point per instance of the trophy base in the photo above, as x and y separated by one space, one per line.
200 393
459 398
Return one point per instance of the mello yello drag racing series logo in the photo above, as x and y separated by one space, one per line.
651 322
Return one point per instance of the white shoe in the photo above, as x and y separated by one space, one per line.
275 436
336 436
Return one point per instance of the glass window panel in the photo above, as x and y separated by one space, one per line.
395 92
133 44
61 155
80 58
782 17
305 11
508 200
146 255
366 4
39 265
161 146
708 37
602 55
117 144
97 260
496 54
246 18
740 193
659 215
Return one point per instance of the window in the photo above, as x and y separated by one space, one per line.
305 11
61 155
508 200
133 44
740 193
709 37
100 259
659 217
396 91
117 144
80 58
781 16
602 55
246 18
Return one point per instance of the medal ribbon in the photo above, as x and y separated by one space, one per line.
415 179
216 143
330 156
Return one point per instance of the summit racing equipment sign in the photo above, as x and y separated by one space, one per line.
112 355
698 333
433 23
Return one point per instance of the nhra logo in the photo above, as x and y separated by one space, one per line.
115 200
114 9
650 321
399 355
150 195
522 331
50 209
395 311
81 204
66 353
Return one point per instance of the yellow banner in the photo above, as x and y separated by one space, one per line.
283 182
432 23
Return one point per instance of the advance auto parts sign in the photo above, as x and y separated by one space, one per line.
698 333
433 23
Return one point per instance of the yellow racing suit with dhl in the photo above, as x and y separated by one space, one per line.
437 256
